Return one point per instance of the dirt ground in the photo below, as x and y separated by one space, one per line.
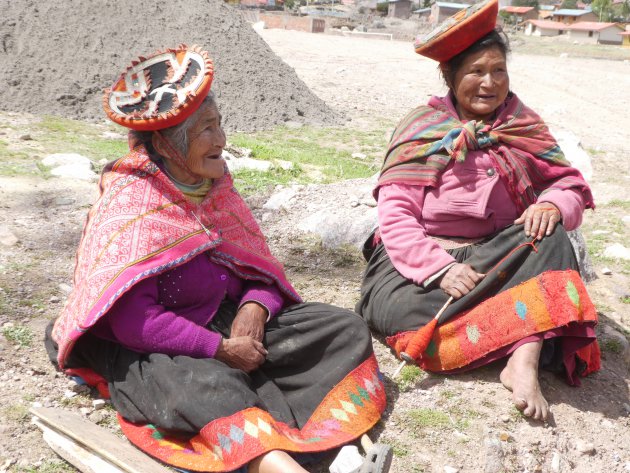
373 83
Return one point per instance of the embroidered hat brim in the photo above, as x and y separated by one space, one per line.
458 32
160 91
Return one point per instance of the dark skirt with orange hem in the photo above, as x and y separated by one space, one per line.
533 292
318 389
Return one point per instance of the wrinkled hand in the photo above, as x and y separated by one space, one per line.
243 353
249 321
459 280
539 219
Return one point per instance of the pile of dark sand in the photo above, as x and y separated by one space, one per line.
56 58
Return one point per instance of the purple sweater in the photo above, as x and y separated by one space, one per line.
168 313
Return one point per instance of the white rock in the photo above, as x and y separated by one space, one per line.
359 155
85 410
607 271
65 288
7 237
585 448
72 171
621 339
66 159
450 469
336 230
286 165
245 162
574 152
99 404
281 199
110 135
617 251
626 219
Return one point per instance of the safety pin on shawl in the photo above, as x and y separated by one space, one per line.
205 229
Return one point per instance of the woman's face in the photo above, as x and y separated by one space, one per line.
481 84
206 141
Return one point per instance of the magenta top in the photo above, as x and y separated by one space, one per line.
470 201
168 313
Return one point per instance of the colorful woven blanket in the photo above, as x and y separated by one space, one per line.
142 225
550 300
429 137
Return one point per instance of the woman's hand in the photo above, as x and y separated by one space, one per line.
243 353
539 219
250 321
459 280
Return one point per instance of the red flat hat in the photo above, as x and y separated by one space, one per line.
160 91
459 31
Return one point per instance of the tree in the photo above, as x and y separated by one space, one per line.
526 3
603 9
569 4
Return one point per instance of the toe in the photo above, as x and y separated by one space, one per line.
520 403
529 411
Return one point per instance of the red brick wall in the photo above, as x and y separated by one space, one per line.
288 22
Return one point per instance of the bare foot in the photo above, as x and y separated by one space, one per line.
520 376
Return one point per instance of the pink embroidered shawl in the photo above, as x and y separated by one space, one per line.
142 225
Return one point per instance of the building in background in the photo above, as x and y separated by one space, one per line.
568 16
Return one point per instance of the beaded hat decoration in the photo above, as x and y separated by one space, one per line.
161 90
458 32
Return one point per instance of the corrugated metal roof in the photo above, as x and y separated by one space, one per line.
568 12
592 26
549 25
461 6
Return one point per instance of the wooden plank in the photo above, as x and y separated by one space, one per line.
82 459
98 440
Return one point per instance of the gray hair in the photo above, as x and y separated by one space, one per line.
177 136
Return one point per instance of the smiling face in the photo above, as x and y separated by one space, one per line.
206 141
481 84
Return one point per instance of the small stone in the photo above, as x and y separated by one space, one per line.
505 418
65 288
617 251
85 411
69 394
606 271
37 404
54 300
7 237
26 137
97 416
450 469
359 155
504 436
585 448
626 408
99 404
354 203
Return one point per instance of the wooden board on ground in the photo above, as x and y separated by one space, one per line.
92 444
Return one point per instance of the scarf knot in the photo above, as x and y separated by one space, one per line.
473 135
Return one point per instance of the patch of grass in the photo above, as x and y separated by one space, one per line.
48 466
624 204
60 135
18 335
324 154
16 412
408 377
611 345
428 418
625 299
448 394
249 182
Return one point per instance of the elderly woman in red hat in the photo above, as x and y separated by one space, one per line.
474 198
180 313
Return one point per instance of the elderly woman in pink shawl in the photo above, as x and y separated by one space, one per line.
180 313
